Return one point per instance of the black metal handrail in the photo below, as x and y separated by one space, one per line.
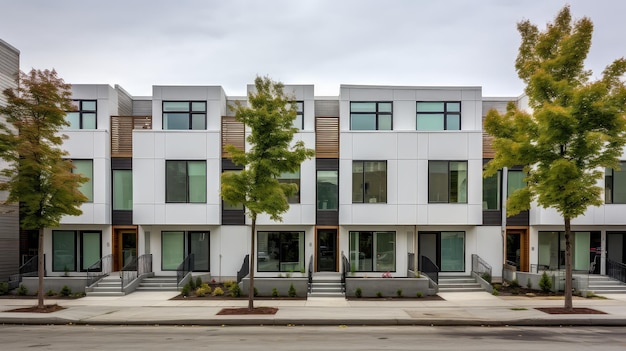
100 269
616 270
430 269
184 268
344 270
129 272
481 267
30 268
245 269
310 286
144 264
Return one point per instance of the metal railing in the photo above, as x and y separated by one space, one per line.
129 272
245 269
430 269
616 270
144 264
100 269
310 285
184 268
345 262
481 267
410 259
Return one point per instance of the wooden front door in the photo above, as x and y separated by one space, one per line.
124 247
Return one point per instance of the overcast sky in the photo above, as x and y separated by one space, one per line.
140 43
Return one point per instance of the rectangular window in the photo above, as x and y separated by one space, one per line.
491 192
438 115
280 251
327 190
291 178
63 251
551 250
615 185
122 189
452 251
85 167
172 250
91 249
200 248
371 115
299 121
225 205
184 115
447 181
369 181
373 251
515 180
84 116
185 181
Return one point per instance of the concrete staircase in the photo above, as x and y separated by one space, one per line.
158 284
326 284
601 285
110 285
464 283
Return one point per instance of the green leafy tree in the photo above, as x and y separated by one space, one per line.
575 128
269 119
39 177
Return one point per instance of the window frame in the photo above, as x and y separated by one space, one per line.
378 113
301 250
498 177
299 114
190 113
375 254
88 183
113 189
445 114
364 189
187 183
294 199
77 250
80 110
610 184
449 187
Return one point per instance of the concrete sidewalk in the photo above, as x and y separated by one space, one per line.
470 309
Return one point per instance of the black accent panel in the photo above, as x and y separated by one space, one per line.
233 217
521 219
121 163
327 164
122 217
228 164
492 217
327 217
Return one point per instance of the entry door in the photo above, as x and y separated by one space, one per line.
327 250
428 246
124 247
517 249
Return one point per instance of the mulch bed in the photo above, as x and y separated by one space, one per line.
575 310
245 310
36 309
423 298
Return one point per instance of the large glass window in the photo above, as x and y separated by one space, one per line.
85 168
200 248
63 251
452 251
184 115
185 181
84 116
327 190
515 181
551 250
122 189
447 181
91 249
280 251
299 121
291 178
369 181
227 206
615 185
371 115
438 115
491 192
172 250
373 251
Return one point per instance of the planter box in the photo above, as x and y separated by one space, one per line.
77 284
264 286
388 287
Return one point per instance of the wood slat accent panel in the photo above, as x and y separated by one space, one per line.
233 133
327 137
488 151
122 133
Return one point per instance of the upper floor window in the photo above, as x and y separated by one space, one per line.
85 168
184 115
85 115
515 180
369 181
228 206
185 181
371 115
491 192
327 190
447 181
291 178
299 121
443 115
615 185
122 189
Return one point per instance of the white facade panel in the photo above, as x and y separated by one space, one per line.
442 214
407 180
188 213
375 146
404 94
407 214
404 115
407 146
448 145
489 247
441 94
187 145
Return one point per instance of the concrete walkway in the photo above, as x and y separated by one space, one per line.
469 308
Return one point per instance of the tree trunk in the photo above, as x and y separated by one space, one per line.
252 255
567 293
40 271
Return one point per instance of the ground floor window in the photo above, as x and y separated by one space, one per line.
75 250
585 247
445 249
176 245
280 251
373 251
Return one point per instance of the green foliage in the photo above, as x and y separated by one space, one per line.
399 292
495 292
235 290
379 294
358 293
203 290
4 288
185 290
229 284
275 292
65 291
256 292
292 291
22 290
418 294
486 277
218 291
192 284
198 282
514 284
545 283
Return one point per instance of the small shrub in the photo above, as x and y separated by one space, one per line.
275 292
256 291
529 284
65 291
418 294
50 293
358 293
4 288
79 295
379 294
229 284
399 292
292 291
218 292
185 290
495 292
515 291
514 284
22 290
192 284
203 290
198 282
545 283
486 277
497 286
235 290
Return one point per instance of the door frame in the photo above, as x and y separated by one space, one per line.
116 244
316 248
524 257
